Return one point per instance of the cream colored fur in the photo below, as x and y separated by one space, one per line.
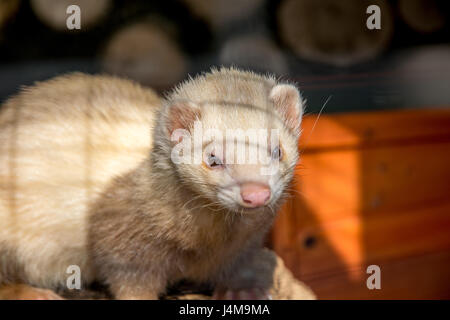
82 183
61 142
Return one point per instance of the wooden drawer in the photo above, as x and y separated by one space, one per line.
371 188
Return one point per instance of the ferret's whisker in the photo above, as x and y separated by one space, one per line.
315 122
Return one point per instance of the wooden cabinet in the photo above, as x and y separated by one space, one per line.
371 188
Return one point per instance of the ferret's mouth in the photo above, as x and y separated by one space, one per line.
251 210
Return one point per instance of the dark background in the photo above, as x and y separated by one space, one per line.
412 71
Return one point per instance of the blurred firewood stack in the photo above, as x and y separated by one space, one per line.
145 51
159 43
424 16
241 33
332 31
54 13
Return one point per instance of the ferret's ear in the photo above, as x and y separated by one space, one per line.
289 104
181 115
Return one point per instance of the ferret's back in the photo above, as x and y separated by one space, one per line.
61 142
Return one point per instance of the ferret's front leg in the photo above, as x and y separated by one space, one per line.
128 285
250 277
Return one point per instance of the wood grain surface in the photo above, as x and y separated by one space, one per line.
371 188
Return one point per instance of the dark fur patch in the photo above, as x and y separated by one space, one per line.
11 271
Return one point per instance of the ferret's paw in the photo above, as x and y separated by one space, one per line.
38 294
248 294
26 292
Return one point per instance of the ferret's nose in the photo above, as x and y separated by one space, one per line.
254 194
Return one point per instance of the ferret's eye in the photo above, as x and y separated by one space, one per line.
277 154
213 161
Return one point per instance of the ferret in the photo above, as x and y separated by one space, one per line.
89 177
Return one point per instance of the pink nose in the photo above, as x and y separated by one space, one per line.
255 194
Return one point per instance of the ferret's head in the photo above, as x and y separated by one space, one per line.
232 137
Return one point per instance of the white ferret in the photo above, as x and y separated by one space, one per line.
88 178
